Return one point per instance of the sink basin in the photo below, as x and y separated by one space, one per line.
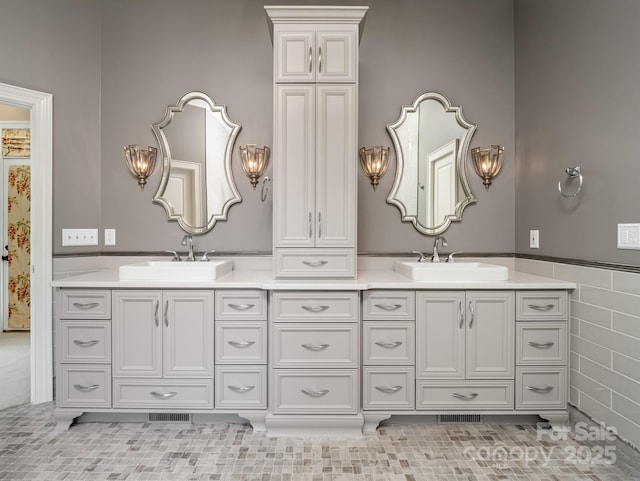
452 272
174 271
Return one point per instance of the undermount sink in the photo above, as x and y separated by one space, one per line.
174 271
452 271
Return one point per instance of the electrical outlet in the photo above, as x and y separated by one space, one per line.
534 239
109 237
79 237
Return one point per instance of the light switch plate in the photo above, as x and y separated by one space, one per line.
628 236
534 239
109 237
79 237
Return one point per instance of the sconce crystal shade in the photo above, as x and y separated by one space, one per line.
254 162
141 162
374 163
487 163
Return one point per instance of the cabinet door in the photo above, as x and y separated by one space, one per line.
137 333
336 56
440 335
490 334
336 166
295 59
188 334
294 166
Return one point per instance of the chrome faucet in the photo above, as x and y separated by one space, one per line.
435 257
187 240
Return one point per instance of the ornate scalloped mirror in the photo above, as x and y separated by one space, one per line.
431 139
196 138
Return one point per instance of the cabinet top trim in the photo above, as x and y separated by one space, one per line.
315 14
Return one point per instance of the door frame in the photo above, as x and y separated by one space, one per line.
41 118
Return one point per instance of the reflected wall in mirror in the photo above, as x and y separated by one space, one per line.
431 139
196 138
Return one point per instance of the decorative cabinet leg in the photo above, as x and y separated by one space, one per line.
371 422
65 418
257 421
556 420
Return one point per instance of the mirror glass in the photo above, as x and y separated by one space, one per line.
196 139
431 139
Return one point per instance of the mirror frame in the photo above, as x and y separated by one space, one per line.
166 162
461 164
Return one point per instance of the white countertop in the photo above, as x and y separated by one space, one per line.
263 279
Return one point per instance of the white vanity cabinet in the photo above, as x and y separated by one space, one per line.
83 348
465 349
241 349
541 350
314 360
315 140
163 348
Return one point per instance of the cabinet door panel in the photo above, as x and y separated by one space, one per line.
137 333
294 166
295 60
336 166
440 335
188 334
337 55
490 334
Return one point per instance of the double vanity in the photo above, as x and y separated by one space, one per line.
313 340
310 357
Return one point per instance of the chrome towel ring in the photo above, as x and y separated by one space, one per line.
572 172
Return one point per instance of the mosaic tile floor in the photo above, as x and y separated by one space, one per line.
32 449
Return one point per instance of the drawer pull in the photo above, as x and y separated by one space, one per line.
241 307
315 263
315 347
538 345
86 305
313 393
536 307
389 307
82 388
315 308
388 390
540 390
80 343
389 345
241 389
241 344
465 397
163 395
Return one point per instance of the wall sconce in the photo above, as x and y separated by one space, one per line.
254 162
487 163
374 162
141 162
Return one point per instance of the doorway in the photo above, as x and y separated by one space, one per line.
39 105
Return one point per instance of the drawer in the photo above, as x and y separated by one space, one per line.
84 341
541 387
244 305
388 342
541 305
314 263
313 345
383 305
241 387
315 306
163 393
466 395
317 391
388 388
541 343
240 342
85 304
84 386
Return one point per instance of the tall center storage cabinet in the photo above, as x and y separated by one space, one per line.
315 140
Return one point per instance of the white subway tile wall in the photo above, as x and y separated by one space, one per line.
605 343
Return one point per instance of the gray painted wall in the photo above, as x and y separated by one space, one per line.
55 47
112 67
577 103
